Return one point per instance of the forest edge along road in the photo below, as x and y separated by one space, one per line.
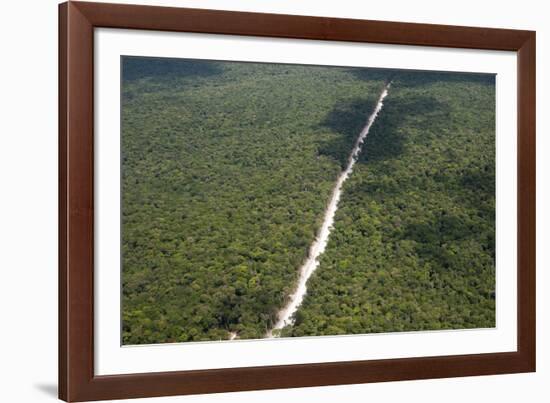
284 316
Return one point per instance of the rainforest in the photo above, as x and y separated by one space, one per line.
240 182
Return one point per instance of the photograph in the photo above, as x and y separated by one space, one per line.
266 200
275 201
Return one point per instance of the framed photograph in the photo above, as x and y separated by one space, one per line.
256 201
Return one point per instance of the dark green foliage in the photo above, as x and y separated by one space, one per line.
166 69
348 119
226 171
413 245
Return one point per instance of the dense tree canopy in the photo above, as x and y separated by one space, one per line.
413 245
226 170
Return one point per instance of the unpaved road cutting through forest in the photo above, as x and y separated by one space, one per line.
318 246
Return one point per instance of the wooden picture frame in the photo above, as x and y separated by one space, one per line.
77 381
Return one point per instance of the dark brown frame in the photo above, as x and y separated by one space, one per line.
77 381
